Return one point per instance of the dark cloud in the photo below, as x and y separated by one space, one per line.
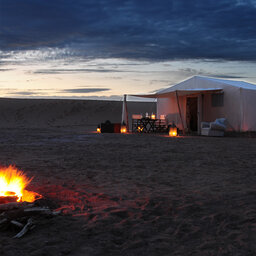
40 93
80 70
5 69
145 29
159 81
224 76
23 93
194 72
85 90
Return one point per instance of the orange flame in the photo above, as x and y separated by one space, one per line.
13 183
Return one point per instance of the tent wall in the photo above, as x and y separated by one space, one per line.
248 109
211 113
230 109
169 108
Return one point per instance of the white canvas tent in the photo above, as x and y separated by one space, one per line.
199 99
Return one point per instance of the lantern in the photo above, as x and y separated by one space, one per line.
98 129
173 132
123 129
153 116
139 129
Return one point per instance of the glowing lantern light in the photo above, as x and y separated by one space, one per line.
173 131
123 129
153 116
98 129
139 129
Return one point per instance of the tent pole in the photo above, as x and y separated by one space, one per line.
178 103
199 113
126 110
125 113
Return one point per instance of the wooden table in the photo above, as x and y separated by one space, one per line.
148 125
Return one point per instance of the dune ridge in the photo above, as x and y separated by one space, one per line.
46 113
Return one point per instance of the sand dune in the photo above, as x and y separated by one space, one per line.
65 113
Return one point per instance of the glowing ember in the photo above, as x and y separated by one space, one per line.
13 183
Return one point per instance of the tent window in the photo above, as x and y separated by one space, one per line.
218 100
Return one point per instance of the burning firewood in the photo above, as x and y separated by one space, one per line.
13 186
19 207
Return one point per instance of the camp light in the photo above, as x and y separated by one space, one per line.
173 132
139 129
123 129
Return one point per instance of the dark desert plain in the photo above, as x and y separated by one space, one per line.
127 194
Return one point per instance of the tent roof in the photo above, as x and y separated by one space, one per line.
240 84
199 84
184 92
181 92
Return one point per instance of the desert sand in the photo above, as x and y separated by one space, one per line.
132 194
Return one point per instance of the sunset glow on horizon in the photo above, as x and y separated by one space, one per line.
102 51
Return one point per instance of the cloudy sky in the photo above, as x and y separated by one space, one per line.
105 48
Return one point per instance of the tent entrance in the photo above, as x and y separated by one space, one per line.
191 114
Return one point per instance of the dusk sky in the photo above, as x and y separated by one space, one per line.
101 49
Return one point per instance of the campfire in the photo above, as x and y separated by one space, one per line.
19 208
12 186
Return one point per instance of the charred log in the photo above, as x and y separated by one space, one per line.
8 199
22 216
30 225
